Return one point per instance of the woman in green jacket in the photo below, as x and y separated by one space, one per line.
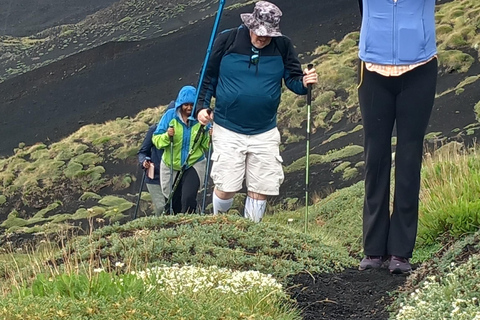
175 124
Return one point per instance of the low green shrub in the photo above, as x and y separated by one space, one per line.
225 241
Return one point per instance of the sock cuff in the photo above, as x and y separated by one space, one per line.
220 204
254 209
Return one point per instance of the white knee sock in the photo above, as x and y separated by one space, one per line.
254 209
220 205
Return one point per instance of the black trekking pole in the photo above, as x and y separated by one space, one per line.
205 183
171 172
178 177
139 194
307 156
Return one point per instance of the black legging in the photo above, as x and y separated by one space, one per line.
185 197
406 101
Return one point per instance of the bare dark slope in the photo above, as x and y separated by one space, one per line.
120 79
26 17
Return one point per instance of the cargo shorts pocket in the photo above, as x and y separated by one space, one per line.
280 169
214 174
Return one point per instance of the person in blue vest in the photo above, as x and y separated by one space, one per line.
245 73
397 84
148 154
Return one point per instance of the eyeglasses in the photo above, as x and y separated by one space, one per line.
255 56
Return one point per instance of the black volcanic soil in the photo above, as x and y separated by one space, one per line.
120 79
27 17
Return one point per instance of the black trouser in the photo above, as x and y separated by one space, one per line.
406 101
184 199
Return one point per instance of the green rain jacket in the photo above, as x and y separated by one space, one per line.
183 140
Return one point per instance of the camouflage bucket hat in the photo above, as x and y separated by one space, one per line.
264 21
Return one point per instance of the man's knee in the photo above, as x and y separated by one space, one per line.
257 196
224 195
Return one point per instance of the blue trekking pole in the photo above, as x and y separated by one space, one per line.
307 156
205 184
192 116
221 4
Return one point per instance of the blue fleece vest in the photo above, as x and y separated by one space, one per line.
397 33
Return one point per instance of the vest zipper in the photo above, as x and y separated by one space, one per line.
394 38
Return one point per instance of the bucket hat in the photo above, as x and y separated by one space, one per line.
264 21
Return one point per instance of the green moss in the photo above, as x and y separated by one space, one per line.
342 166
349 173
126 19
443 29
111 201
336 136
331 156
343 153
13 221
40 154
455 40
38 146
455 60
68 151
337 116
432 135
43 212
88 158
127 151
73 169
360 164
476 108
101 140
3 199
89 195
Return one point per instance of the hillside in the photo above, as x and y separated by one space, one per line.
79 86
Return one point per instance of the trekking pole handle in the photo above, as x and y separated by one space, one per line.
309 86
169 136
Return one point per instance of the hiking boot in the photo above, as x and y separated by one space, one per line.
371 262
399 265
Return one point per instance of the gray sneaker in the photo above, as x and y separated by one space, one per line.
371 262
399 265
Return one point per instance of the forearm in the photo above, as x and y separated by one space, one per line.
161 141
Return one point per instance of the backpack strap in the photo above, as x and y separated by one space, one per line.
281 46
232 35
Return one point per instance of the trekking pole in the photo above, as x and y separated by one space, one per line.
307 156
178 178
221 4
139 195
205 183
171 171
179 175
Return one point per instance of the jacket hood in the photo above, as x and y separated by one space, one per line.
186 95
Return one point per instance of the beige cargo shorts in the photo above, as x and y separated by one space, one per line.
255 158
